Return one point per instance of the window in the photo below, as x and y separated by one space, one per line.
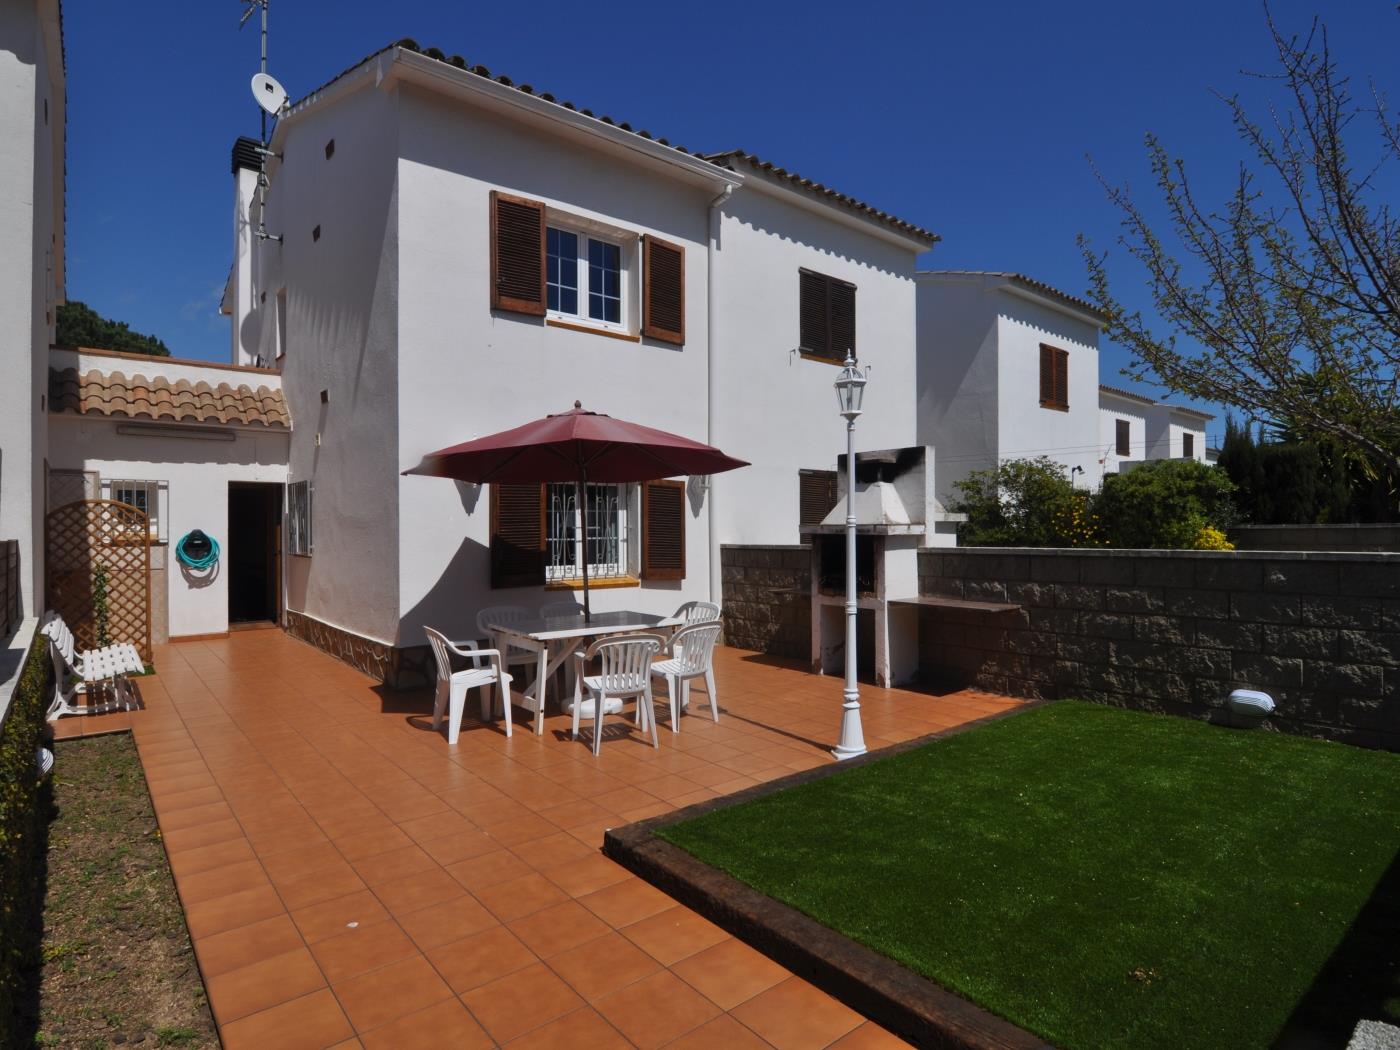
816 495
826 316
149 497
1188 445
299 538
1054 378
1123 435
606 532
583 276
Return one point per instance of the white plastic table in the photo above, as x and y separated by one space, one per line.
556 638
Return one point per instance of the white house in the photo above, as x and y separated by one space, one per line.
33 89
442 254
1134 428
1008 368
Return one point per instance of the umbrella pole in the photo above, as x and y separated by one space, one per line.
583 522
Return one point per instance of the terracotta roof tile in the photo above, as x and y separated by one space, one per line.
1027 282
159 398
722 160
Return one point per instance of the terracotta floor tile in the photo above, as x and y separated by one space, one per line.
552 851
624 903
201 835
443 1025
869 1036
794 1015
240 947
520 897
393 865
574 1031
232 911
589 874
263 984
171 802
310 1023
362 949
371 843
315 887
333 917
558 928
730 973
480 958
436 826
220 881
674 934
290 864
172 820
511 1006
723 1033
415 892
488 869
604 965
390 992
449 921
206 858
656 1010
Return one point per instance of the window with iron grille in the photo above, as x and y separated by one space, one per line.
606 533
149 497
299 539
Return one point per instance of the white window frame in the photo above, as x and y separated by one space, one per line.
155 494
300 533
628 256
557 570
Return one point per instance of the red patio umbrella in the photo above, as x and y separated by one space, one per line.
575 446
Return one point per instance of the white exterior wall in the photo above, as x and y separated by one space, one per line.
31 268
1112 409
779 410
1166 430
245 337
958 409
465 371
342 298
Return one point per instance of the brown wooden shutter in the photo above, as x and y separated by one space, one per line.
816 495
1062 378
517 535
814 334
517 254
663 290
841 298
1054 377
1188 445
663 530
1047 374
1124 437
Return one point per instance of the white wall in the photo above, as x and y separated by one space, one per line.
1166 429
1111 409
958 408
779 410
31 267
198 473
465 371
342 301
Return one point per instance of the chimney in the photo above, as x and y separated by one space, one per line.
239 296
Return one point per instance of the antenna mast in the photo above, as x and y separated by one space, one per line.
249 6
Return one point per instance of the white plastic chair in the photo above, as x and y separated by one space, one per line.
75 673
512 655
690 656
623 673
452 685
692 613
555 610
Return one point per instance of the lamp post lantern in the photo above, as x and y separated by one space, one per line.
850 389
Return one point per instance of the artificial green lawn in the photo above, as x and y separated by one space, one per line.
1105 878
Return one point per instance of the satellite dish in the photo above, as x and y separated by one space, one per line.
269 94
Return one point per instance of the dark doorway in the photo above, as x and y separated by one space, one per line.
253 557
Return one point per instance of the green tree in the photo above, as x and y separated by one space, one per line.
1165 503
81 325
1020 503
1286 298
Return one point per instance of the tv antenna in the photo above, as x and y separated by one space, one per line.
271 97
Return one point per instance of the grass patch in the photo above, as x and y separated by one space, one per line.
117 962
1103 877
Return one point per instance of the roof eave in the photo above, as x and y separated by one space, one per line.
841 213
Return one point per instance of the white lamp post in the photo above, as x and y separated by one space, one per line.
850 388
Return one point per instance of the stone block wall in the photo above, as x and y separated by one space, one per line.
1316 537
767 598
1175 631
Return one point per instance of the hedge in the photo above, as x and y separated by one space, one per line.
24 818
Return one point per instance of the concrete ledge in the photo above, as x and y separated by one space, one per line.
911 1006
13 650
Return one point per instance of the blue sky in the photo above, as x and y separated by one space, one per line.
974 120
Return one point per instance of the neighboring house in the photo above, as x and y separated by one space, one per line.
1134 428
1008 368
32 117
451 254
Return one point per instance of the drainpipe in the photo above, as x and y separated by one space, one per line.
711 357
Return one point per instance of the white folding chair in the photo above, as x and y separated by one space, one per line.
452 685
690 655
624 673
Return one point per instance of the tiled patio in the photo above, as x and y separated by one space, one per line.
350 880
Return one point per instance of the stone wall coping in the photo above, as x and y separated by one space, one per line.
1377 557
